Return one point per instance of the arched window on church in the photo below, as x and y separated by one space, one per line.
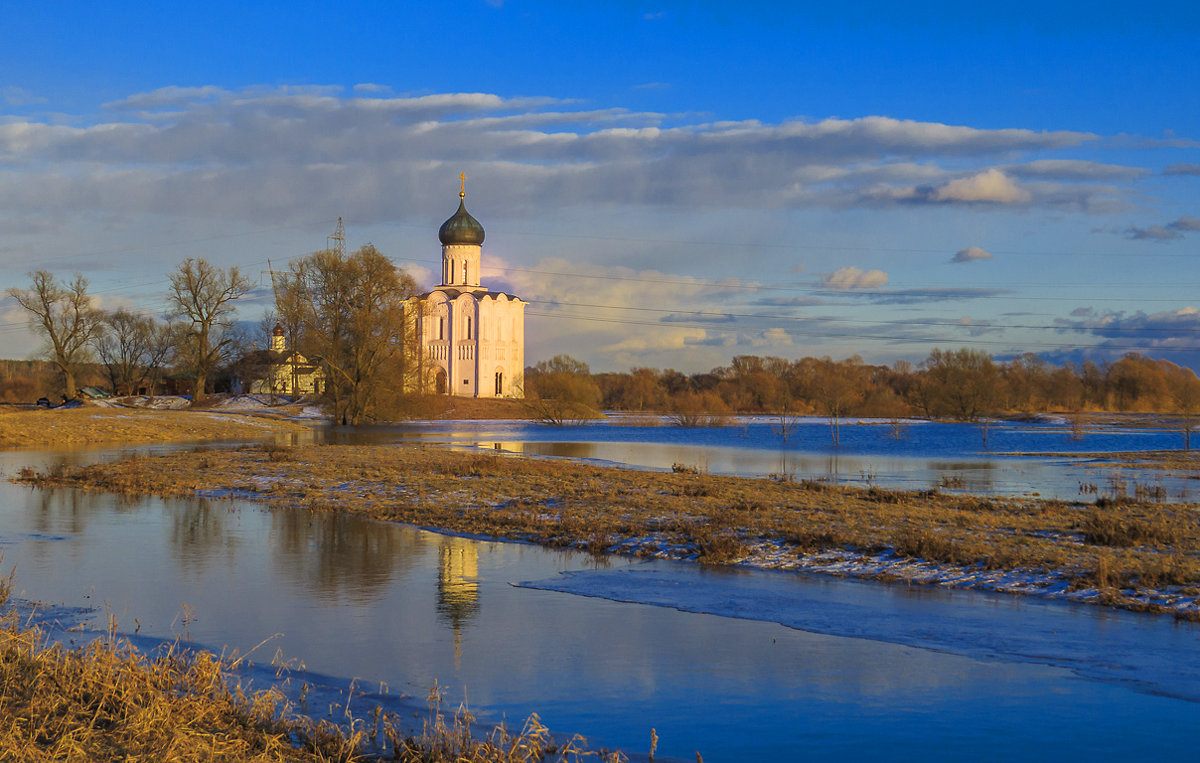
468 327
464 271
499 383
441 327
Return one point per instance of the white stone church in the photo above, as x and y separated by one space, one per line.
472 340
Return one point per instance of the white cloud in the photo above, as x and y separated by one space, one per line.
19 96
1172 230
275 155
199 159
1152 233
1170 334
991 186
172 95
1074 169
853 278
970 254
1182 168
667 338
772 337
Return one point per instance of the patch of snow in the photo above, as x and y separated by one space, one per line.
251 402
887 565
157 403
230 494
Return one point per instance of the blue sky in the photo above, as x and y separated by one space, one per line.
668 184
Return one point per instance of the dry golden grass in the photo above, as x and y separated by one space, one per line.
452 740
444 407
90 425
108 702
561 503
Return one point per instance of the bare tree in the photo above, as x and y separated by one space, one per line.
962 384
1185 391
203 295
165 339
350 309
838 386
131 347
64 315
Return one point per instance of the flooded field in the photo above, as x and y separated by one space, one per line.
1018 458
737 665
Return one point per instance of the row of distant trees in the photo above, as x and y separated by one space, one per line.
344 312
347 312
962 384
135 349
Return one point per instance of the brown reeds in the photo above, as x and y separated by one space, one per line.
106 701
1131 525
451 739
88 425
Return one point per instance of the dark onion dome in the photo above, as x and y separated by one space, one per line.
461 228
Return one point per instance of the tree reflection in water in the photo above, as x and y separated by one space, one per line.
67 511
201 533
343 556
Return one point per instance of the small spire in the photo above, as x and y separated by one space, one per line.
462 189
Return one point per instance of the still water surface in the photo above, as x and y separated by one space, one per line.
738 665
1017 458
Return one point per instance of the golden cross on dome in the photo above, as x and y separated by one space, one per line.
462 191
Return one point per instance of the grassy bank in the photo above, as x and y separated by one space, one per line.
89 425
106 701
1118 549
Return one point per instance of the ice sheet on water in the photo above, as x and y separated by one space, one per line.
1148 652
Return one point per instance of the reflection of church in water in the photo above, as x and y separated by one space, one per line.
472 340
458 585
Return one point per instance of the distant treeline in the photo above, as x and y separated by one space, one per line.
960 384
24 381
